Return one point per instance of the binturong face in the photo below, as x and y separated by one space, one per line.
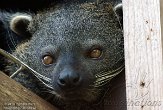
79 46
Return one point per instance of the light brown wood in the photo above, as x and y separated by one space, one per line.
143 54
14 96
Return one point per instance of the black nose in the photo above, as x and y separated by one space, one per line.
69 79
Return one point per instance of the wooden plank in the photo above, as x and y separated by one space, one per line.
14 96
143 54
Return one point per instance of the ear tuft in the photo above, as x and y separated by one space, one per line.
119 12
19 24
118 6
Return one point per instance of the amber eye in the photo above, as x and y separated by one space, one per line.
47 60
95 53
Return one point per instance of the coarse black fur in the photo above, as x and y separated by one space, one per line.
68 31
8 39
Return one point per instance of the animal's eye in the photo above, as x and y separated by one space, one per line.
95 53
47 59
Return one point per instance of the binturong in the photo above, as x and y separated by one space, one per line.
77 44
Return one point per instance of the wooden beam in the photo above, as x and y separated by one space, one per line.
14 96
143 54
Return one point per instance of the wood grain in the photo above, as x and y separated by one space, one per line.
143 54
14 96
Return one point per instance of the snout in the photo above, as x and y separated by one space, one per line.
70 83
69 79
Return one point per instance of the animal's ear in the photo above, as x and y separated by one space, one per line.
19 24
119 12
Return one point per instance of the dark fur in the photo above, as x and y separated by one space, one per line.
8 39
68 31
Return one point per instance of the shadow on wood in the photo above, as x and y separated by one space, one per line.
161 12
